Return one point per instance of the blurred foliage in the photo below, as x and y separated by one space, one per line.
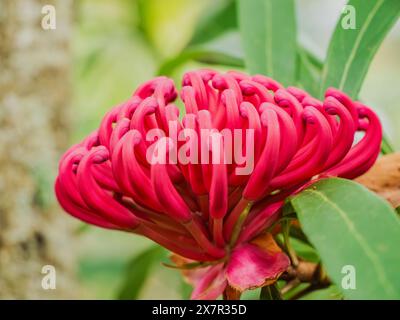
168 25
138 270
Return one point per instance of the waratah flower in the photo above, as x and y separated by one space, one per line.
147 172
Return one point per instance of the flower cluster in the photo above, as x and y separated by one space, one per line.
208 212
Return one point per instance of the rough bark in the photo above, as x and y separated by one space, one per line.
34 94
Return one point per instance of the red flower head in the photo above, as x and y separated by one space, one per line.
207 187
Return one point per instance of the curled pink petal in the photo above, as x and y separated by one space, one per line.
269 159
166 193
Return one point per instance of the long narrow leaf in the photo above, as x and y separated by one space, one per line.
138 270
268 34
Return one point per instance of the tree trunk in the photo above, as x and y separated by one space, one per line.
34 96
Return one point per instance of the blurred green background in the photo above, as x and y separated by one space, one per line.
117 44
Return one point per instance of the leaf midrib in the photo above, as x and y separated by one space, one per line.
361 240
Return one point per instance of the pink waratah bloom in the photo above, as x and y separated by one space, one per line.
206 212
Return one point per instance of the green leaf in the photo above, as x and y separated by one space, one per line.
268 33
219 19
138 270
350 225
330 293
352 50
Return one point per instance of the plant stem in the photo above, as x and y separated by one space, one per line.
231 293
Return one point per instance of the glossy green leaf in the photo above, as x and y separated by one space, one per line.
138 270
351 226
268 33
352 50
